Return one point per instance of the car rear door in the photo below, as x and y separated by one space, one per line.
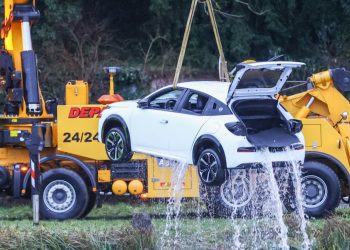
185 124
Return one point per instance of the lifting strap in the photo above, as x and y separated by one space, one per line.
222 60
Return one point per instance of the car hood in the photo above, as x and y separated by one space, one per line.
260 78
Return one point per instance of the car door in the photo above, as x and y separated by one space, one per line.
150 123
186 123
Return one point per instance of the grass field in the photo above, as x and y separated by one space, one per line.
110 228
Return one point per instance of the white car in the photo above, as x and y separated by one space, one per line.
214 125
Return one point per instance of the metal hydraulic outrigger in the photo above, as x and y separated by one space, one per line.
35 144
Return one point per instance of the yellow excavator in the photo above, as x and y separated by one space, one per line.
324 111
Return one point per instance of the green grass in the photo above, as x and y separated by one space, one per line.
110 228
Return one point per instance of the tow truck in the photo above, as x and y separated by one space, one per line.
76 172
324 111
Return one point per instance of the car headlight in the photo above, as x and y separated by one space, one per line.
236 128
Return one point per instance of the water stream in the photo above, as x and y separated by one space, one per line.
169 240
256 199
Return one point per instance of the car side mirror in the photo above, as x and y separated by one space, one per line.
296 126
143 104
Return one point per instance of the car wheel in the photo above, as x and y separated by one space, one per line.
321 189
210 168
116 145
64 195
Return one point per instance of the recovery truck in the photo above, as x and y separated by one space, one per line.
75 169
324 111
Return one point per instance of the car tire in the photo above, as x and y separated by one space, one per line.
321 187
210 167
64 195
117 146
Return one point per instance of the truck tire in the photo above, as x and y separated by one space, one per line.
116 144
210 168
64 195
91 204
218 207
322 191
232 198
221 202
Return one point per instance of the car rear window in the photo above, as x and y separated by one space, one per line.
259 78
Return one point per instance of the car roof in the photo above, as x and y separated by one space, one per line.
215 89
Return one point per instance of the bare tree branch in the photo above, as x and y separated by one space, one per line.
259 13
153 40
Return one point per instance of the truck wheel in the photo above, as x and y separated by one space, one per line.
64 195
321 189
91 204
219 207
232 198
236 197
116 145
210 168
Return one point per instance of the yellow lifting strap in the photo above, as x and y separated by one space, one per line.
186 37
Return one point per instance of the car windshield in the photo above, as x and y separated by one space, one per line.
259 78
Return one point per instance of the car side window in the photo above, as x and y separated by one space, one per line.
195 103
216 107
166 100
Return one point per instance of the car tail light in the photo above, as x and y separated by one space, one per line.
246 149
237 128
296 126
298 147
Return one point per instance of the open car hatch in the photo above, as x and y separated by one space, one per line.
260 78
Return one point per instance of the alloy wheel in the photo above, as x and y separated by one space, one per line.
114 145
208 167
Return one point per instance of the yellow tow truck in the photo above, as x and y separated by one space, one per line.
324 111
75 168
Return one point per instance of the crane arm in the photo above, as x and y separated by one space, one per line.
22 87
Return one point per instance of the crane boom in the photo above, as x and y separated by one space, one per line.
18 59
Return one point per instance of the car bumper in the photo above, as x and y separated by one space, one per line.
278 158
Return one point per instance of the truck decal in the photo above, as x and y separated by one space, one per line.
85 112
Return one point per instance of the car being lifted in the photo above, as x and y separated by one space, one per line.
214 125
